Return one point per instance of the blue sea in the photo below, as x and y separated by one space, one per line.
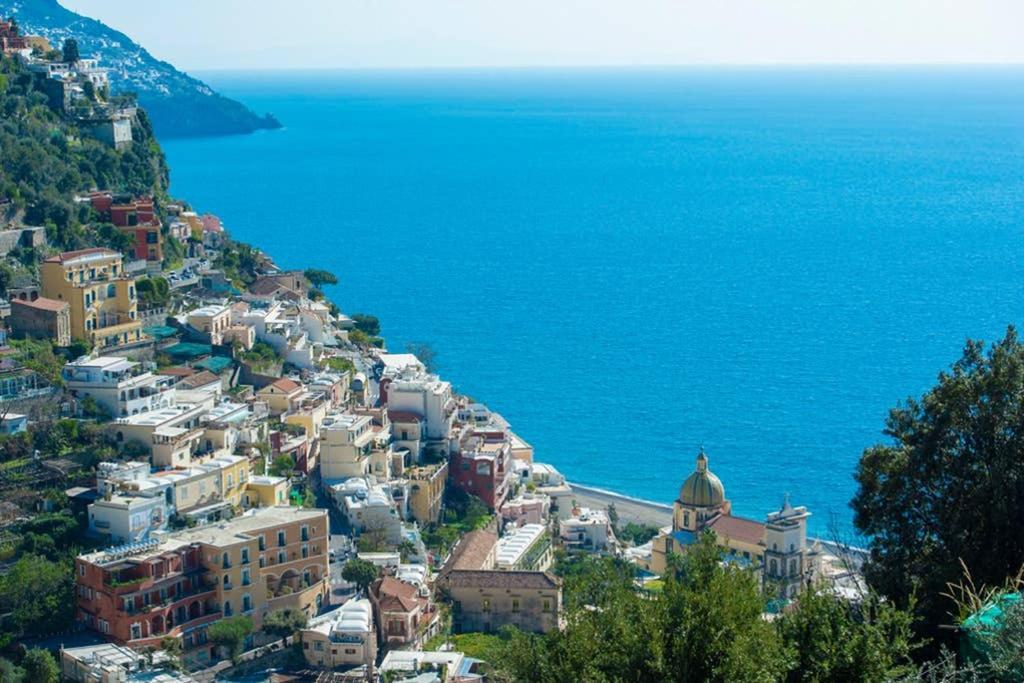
630 264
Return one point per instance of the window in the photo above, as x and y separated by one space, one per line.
546 605
305 533
231 481
263 542
515 605
245 556
245 577
246 603
318 646
136 631
305 551
281 557
486 605
111 290
792 568
227 608
774 568
225 563
280 538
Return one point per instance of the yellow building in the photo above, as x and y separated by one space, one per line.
102 297
426 491
776 548
265 491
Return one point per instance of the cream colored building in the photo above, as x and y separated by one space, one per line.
777 548
280 394
212 320
101 296
345 641
266 491
485 601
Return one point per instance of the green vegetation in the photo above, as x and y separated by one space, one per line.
360 572
463 513
231 634
319 278
240 263
40 666
284 622
262 357
44 160
38 355
368 324
153 291
638 534
337 364
705 625
949 487
282 466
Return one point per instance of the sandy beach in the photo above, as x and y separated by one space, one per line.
629 509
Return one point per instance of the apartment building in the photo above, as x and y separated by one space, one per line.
41 318
346 441
481 465
488 600
101 296
122 387
176 586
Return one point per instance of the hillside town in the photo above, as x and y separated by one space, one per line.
263 485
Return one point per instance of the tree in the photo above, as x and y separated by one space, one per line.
38 594
831 639
367 323
405 549
319 278
231 633
10 673
70 52
40 666
282 466
284 622
360 572
950 486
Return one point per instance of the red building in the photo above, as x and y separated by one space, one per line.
137 217
480 466
141 600
10 40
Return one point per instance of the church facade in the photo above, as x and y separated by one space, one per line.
776 548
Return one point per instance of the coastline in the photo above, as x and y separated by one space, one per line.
629 509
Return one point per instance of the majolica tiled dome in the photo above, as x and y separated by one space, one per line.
702 488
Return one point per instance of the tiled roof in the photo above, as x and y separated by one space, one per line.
403 416
394 595
286 385
69 255
43 304
472 551
177 371
465 578
199 380
738 528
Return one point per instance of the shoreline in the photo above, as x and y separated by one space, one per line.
641 511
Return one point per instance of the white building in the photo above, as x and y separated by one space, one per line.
587 529
282 327
528 548
346 444
127 519
119 385
369 507
426 667
430 398
343 639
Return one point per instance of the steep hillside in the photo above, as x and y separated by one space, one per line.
45 160
178 105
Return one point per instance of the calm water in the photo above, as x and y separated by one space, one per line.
629 264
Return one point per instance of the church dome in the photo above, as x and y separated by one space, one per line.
702 489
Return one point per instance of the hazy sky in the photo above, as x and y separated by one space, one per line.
204 34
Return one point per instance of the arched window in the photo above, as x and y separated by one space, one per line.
111 290
774 568
792 567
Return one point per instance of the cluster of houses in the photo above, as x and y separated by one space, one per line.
199 522
75 86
